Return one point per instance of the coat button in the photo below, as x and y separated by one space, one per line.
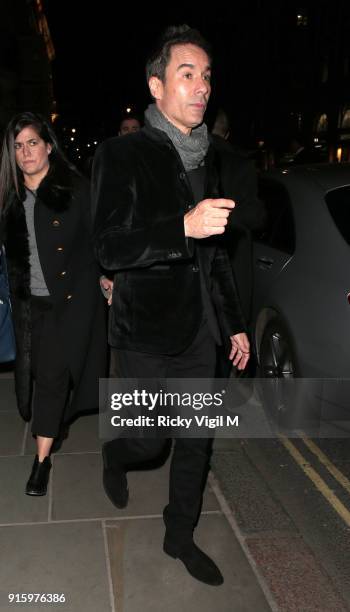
174 254
195 268
63 273
56 223
182 176
59 249
69 296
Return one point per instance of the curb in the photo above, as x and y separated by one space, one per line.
227 512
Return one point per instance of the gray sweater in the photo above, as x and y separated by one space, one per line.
37 281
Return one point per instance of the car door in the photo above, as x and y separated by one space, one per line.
274 245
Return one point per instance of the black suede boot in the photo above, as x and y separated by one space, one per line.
39 477
197 563
115 482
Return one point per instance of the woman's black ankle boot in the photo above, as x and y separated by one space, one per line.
39 477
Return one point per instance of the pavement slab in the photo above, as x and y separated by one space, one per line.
146 579
63 558
12 430
7 395
78 490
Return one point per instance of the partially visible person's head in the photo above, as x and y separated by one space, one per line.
129 124
221 125
178 74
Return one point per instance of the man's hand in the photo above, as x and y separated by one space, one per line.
240 350
208 218
107 288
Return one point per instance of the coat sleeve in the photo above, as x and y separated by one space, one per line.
120 241
226 296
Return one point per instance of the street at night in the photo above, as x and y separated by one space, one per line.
175 306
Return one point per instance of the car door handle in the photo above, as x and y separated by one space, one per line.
265 263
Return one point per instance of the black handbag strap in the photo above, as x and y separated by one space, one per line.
3 270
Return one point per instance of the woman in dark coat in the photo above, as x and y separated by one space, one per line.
57 305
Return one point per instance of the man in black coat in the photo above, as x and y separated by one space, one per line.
158 223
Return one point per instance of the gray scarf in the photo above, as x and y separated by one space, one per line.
192 149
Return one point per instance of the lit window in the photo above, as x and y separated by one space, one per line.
322 124
302 19
345 124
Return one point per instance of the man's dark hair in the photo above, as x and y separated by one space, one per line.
174 35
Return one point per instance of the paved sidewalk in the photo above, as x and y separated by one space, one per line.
74 542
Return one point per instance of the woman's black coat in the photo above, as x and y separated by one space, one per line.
62 226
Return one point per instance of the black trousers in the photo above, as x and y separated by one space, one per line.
190 460
50 372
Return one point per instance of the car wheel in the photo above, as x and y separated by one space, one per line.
277 356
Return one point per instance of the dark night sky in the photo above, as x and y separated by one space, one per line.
100 54
101 50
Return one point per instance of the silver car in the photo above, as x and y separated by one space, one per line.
301 297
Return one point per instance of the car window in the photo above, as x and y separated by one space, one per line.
338 202
279 228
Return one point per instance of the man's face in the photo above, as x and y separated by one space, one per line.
184 95
128 126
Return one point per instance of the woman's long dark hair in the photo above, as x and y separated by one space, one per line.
10 175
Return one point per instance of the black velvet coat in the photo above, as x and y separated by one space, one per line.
140 195
62 219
